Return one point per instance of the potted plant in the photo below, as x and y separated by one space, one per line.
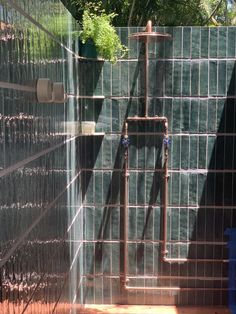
97 27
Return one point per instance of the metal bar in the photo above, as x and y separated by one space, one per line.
125 210
174 288
146 74
156 118
165 190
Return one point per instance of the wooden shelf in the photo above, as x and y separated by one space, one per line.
91 134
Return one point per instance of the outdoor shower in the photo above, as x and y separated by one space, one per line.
146 37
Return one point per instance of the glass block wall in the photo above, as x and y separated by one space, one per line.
40 201
192 83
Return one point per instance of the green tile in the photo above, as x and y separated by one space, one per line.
107 78
174 223
195 72
193 152
177 41
213 42
186 74
106 152
175 152
140 221
106 260
194 116
168 110
157 223
204 42
153 78
192 196
230 77
222 38
195 42
133 44
133 188
141 176
220 125
184 182
98 187
175 189
98 223
149 259
124 35
211 115
132 228
88 223
169 43
185 116
168 77
186 42
125 88
176 115
115 221
231 42
134 72
97 78
201 188
177 79
222 78
211 151
213 67
116 81
202 152
106 186
203 116
204 78
185 149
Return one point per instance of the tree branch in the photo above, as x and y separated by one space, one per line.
213 12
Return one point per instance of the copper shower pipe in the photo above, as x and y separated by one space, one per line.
164 258
164 120
145 36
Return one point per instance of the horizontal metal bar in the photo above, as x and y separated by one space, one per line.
136 118
173 289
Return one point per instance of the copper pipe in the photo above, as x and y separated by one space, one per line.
174 288
146 74
124 279
125 210
165 192
156 118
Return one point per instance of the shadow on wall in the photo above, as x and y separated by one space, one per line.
216 211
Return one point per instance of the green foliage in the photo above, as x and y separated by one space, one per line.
162 12
96 25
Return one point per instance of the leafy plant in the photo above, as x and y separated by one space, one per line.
97 25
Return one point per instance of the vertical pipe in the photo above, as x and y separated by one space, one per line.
165 190
146 74
126 177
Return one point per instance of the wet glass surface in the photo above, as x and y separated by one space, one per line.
37 172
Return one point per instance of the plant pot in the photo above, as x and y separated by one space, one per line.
87 50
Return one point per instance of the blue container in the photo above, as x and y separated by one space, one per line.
231 232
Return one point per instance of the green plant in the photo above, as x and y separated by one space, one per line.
97 26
